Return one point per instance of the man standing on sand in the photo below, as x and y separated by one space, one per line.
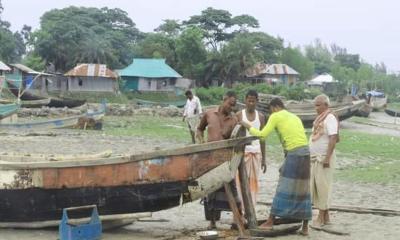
254 154
192 112
220 123
322 148
292 198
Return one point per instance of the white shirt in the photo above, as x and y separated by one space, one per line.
320 146
254 147
192 107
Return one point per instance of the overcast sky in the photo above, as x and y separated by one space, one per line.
370 28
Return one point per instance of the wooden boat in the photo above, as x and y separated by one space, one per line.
8 109
59 102
392 112
54 123
29 103
178 103
308 114
146 182
364 111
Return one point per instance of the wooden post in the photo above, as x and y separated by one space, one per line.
236 214
246 197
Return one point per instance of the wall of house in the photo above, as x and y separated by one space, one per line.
159 84
91 84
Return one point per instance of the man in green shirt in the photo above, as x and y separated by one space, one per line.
292 199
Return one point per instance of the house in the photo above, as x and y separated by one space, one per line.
149 75
322 79
90 78
3 69
272 74
29 78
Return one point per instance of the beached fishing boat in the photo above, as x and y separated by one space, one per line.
55 122
28 103
392 112
8 109
378 100
307 113
52 101
37 191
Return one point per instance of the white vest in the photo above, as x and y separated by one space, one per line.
255 145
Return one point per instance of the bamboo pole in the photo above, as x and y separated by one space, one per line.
358 210
246 197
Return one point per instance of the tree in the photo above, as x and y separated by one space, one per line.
191 52
215 23
245 22
295 59
169 27
75 34
270 47
320 55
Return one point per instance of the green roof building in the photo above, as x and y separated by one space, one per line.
149 75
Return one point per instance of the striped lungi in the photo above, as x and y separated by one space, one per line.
292 198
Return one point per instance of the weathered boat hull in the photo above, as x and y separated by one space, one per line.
38 191
8 109
378 103
53 101
54 123
392 113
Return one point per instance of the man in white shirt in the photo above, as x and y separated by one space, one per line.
325 135
192 112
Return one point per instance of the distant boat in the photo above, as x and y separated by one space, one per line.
378 100
306 111
29 103
392 112
35 192
53 101
8 109
54 123
178 103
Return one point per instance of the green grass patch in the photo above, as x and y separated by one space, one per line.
148 126
394 106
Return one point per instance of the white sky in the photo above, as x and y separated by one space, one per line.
370 28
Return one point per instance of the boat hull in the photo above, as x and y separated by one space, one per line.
392 113
38 191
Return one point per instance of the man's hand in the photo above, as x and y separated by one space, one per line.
199 137
264 166
325 163
245 124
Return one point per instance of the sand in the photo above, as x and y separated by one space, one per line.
183 222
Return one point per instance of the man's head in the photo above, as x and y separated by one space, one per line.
229 102
321 103
251 100
276 105
189 94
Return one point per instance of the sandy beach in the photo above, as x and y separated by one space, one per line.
183 222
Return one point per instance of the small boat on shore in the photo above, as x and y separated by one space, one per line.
55 122
58 102
8 109
378 100
38 191
392 112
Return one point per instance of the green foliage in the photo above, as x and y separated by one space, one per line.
191 52
295 59
77 34
34 61
320 55
97 97
212 95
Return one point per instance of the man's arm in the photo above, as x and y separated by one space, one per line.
332 129
263 145
200 129
200 110
329 152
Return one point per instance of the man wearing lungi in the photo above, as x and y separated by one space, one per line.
292 198
220 123
254 154
322 148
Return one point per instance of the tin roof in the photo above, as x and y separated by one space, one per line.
4 67
273 69
91 70
149 68
29 70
